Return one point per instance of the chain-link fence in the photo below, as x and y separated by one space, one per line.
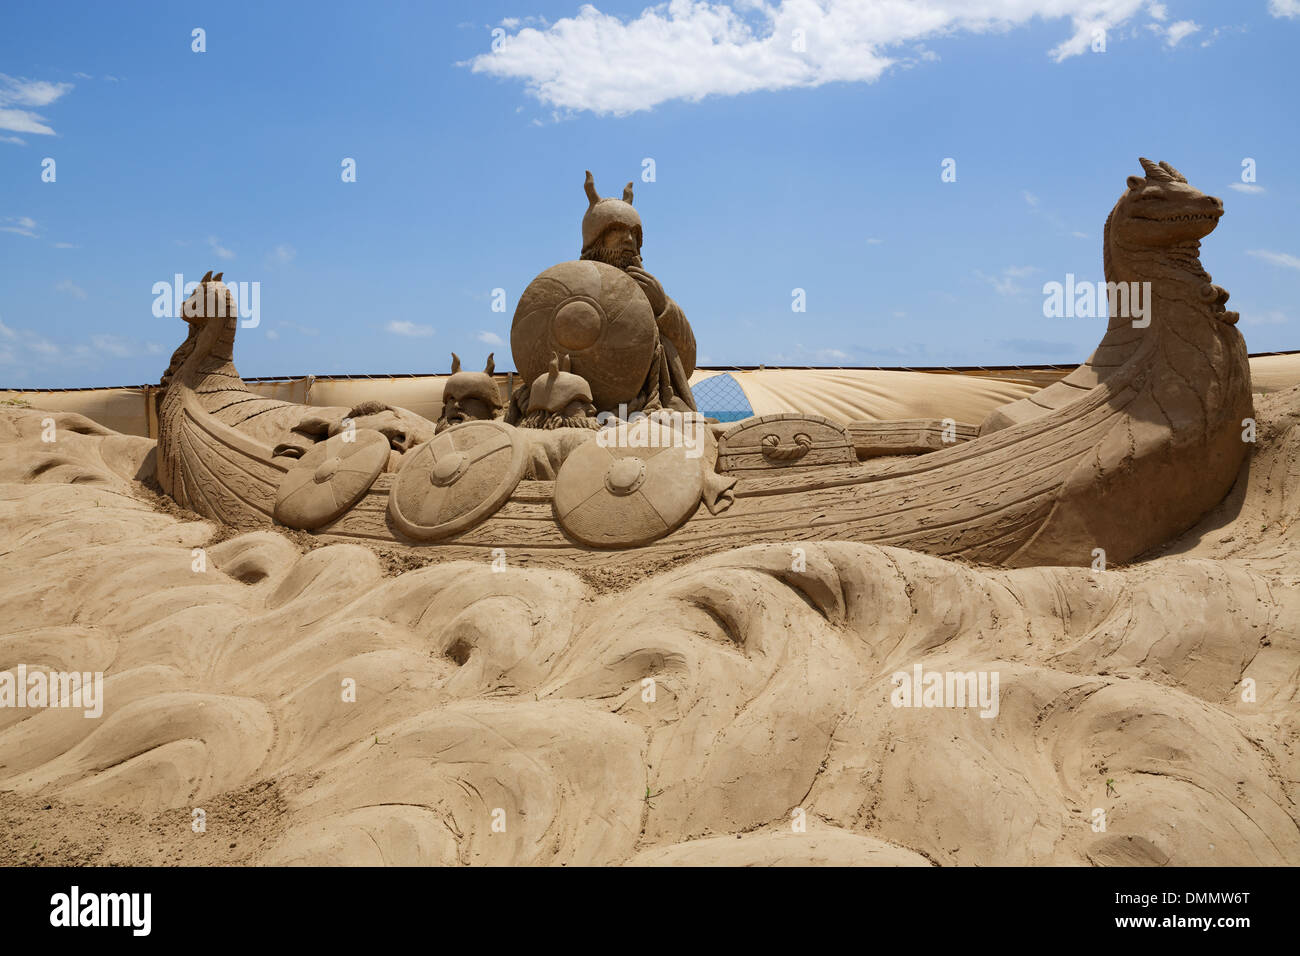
721 397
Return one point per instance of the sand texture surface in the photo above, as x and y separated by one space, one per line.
503 717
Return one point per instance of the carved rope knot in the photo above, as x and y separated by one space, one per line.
773 451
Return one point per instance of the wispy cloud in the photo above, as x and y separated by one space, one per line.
1175 33
1005 282
19 225
687 51
409 329
22 92
489 338
27 349
1284 8
218 249
1249 188
1284 259
71 288
111 345
281 255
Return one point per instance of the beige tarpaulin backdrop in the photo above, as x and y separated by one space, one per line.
849 395
839 394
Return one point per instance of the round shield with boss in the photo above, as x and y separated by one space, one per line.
599 317
632 485
457 479
330 478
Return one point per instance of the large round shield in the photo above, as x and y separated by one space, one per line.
597 315
330 478
457 479
632 485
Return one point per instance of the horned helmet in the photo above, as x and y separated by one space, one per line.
560 398
602 213
469 396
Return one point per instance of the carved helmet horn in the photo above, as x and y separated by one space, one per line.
207 277
455 363
490 366
1160 172
603 212
1178 177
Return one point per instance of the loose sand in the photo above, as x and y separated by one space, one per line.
503 717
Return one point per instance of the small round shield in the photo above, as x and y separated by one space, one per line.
634 484
457 479
330 478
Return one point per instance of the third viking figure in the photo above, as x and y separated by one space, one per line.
611 233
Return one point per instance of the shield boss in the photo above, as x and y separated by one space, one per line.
632 486
457 479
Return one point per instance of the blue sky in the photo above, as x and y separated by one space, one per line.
775 168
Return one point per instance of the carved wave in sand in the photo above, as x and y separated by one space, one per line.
517 696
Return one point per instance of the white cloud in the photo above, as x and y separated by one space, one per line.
111 345
681 50
490 338
875 242
19 225
65 245
1080 235
13 139
83 76
19 91
281 255
1180 31
1249 188
409 329
1284 8
30 349
1029 197
1158 11
70 287
218 249
1005 283
1284 259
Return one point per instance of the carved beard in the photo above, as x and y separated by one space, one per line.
544 419
613 256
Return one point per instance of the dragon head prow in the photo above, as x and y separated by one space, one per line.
1161 209
211 299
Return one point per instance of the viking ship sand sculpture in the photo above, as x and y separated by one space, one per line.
600 456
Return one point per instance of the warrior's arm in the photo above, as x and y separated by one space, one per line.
674 327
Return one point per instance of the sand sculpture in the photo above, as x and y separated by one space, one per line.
469 396
1128 451
621 332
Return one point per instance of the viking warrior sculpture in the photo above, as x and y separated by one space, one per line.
560 399
622 333
469 396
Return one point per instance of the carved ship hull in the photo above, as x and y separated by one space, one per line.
1126 452
1133 460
